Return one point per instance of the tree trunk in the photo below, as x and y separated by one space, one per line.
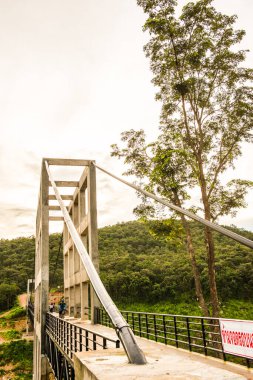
211 272
197 152
209 247
195 270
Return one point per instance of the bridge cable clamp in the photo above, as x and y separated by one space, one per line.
118 329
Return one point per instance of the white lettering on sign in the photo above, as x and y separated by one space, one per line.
237 337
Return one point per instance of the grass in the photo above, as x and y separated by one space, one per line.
14 313
7 319
18 353
234 309
10 334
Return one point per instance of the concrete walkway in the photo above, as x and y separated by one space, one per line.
164 362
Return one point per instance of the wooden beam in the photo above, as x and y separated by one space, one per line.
67 162
63 197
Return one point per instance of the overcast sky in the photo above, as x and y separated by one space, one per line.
74 76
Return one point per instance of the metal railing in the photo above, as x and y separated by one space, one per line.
72 338
63 339
30 312
197 334
61 365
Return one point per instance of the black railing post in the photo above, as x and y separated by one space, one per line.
94 341
164 330
80 339
75 337
70 338
133 323
188 333
95 311
147 328
155 330
139 318
175 330
62 334
203 335
86 340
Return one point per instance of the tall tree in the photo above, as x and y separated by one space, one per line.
207 99
164 172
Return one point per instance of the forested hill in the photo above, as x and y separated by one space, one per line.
17 266
137 265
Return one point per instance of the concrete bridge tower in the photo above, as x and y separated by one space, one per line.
79 294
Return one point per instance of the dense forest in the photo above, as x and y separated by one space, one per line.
17 266
138 262
137 265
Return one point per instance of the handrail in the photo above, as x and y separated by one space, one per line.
199 334
126 336
214 226
70 344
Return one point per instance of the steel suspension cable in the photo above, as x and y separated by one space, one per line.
214 226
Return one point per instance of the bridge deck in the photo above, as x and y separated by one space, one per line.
164 362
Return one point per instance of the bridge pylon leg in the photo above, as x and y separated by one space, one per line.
41 279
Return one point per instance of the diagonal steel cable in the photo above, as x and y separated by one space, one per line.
239 238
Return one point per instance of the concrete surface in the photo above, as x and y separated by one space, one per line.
164 363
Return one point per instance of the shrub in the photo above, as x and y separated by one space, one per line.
10 334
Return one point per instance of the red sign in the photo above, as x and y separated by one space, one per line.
237 337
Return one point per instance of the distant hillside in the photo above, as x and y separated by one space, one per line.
17 265
136 265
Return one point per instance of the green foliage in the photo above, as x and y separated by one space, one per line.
17 353
20 354
17 265
234 309
10 334
207 112
137 266
237 309
139 262
165 307
8 294
15 313
2 372
206 95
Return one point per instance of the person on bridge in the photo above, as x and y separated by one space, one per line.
62 307
51 307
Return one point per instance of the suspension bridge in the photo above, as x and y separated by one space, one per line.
97 341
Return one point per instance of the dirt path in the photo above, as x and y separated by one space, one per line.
22 299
